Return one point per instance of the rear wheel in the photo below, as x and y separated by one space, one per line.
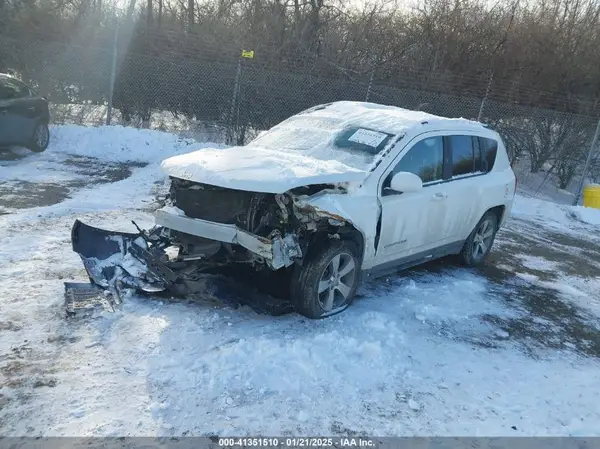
40 139
327 281
479 244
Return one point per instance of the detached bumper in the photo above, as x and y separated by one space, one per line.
278 252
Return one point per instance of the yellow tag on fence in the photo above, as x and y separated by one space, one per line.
248 54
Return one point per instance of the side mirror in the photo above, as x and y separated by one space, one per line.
405 182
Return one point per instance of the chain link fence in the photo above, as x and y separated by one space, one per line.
227 98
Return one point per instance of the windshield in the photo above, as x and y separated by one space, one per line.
326 139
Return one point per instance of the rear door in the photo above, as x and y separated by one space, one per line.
467 193
18 112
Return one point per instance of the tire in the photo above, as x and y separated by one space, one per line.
40 138
479 244
318 271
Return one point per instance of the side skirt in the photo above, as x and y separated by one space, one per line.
414 260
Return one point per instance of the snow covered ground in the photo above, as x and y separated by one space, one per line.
512 349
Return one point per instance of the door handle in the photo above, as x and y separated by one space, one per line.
3 110
439 196
31 108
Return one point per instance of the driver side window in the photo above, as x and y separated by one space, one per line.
425 159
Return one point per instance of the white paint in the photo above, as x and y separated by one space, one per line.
300 151
258 169
170 209
405 182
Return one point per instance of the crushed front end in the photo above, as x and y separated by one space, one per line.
116 261
252 227
201 229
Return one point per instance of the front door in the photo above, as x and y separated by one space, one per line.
413 223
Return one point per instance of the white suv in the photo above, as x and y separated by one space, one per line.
338 191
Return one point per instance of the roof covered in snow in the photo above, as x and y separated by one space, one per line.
336 142
348 132
390 119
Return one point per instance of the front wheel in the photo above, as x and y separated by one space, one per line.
327 281
479 243
40 139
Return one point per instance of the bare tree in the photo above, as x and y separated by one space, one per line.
130 9
190 12
543 53
149 8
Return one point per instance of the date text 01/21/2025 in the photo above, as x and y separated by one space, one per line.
292 442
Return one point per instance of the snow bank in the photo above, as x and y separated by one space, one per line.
108 144
526 207
556 215
120 144
587 214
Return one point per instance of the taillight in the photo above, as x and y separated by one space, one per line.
515 185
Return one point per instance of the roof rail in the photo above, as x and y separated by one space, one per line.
315 108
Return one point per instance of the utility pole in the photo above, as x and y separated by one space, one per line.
487 92
370 87
113 75
587 164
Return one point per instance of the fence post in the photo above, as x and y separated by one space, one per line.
234 100
370 85
113 75
587 164
487 92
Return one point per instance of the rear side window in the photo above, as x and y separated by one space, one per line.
489 149
471 154
463 155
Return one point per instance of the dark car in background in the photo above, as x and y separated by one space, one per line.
24 115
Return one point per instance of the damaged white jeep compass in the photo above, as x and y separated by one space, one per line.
335 192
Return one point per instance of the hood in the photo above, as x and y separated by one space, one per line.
258 169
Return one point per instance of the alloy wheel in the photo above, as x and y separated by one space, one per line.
42 136
336 282
483 239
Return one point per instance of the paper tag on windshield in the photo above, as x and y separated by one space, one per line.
366 137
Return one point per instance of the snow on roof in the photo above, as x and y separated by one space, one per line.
390 119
